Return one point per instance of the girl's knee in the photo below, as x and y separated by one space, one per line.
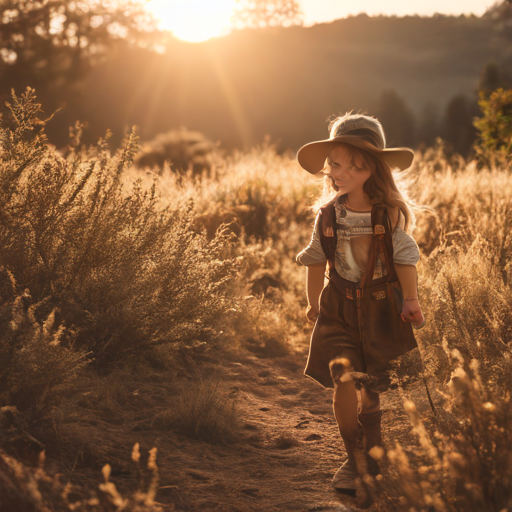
345 392
338 367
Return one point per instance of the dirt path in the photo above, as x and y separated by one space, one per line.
290 449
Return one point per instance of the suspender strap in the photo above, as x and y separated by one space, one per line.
381 247
328 233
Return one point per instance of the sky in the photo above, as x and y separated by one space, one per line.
199 20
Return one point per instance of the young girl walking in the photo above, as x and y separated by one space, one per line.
364 315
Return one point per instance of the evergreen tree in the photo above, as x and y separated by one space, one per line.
397 119
457 124
428 128
493 77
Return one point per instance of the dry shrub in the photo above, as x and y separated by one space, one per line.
181 149
124 271
93 270
200 409
468 306
265 199
260 192
466 205
464 281
25 489
38 360
462 457
463 461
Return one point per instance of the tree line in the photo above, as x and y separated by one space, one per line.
53 45
455 124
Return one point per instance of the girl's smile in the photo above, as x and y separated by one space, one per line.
349 173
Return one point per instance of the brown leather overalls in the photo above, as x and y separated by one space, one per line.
360 321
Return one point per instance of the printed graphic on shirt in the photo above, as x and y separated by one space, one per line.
349 226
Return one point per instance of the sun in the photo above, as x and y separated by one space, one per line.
193 20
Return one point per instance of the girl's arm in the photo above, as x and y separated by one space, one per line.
407 274
315 275
411 311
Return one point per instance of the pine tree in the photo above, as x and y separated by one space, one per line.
397 119
428 128
493 77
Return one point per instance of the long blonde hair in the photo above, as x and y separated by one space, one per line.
380 187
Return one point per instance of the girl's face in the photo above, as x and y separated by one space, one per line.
347 169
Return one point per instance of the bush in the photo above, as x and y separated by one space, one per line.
37 360
182 150
461 458
495 128
259 192
121 270
96 275
201 409
462 462
24 489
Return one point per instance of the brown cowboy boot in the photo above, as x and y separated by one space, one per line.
371 423
344 480
355 466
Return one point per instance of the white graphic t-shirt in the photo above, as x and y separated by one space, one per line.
354 237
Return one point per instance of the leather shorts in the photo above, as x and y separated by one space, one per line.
361 324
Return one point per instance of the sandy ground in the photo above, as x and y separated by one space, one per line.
288 452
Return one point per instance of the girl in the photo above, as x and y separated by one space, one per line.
363 316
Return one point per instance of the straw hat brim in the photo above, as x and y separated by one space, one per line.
312 156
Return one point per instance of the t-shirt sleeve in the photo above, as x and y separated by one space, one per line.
313 253
405 248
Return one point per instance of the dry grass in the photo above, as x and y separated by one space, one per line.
462 459
115 286
24 488
200 409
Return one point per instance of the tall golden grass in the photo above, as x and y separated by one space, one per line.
115 280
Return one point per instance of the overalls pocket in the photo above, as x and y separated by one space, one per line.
381 314
383 332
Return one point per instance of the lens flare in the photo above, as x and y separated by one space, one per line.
193 20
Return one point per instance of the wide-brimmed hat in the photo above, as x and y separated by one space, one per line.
358 130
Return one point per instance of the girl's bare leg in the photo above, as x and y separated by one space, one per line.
346 405
346 408
357 413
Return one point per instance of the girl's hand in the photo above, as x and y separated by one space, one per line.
312 313
411 312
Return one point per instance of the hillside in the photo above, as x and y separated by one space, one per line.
286 82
